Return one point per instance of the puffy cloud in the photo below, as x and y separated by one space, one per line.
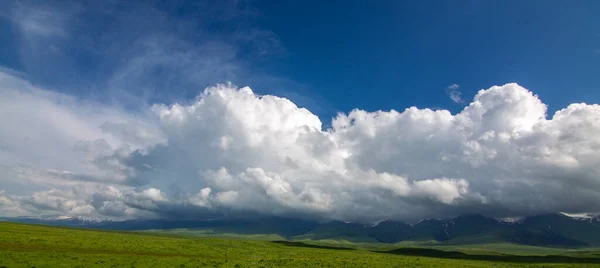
233 152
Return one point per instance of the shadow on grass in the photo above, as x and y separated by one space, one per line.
304 245
434 253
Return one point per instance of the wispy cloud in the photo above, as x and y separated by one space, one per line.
454 94
41 22
141 52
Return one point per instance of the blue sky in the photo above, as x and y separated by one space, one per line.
394 54
329 57
355 110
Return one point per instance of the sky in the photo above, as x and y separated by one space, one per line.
359 111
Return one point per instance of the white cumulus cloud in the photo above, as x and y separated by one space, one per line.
233 152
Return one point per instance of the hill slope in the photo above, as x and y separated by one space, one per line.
23 245
551 230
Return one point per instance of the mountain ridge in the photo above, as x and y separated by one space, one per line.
553 229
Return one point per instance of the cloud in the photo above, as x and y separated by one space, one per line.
42 21
66 141
137 52
454 94
40 31
233 152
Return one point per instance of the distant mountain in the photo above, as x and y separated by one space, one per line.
536 237
586 230
429 229
338 230
285 227
390 231
57 220
553 230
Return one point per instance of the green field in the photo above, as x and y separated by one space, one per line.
480 248
41 246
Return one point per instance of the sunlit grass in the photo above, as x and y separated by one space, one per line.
41 246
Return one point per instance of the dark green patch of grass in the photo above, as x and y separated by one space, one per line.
435 253
305 245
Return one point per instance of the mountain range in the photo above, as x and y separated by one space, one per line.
550 230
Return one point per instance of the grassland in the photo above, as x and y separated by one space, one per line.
471 248
41 246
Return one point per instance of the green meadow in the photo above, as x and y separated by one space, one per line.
23 245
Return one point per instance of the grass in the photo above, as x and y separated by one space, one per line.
214 234
24 245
